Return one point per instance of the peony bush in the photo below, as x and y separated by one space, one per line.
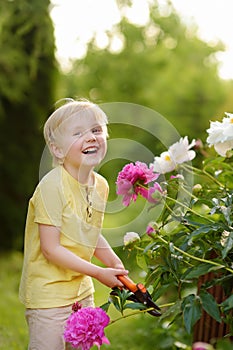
192 234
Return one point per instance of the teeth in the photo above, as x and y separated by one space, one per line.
90 150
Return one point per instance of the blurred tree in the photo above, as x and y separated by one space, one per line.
162 65
27 76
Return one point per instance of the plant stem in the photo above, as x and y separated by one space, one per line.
139 312
166 305
195 257
139 248
189 209
129 315
203 173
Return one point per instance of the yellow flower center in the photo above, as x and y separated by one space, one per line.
167 158
231 120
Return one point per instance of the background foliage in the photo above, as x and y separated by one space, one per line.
27 88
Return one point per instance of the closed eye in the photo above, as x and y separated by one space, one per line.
77 133
97 130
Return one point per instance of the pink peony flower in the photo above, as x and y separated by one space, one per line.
85 328
202 346
126 188
131 180
152 194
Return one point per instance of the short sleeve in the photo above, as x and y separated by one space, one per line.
48 204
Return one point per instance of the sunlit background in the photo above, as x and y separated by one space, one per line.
77 20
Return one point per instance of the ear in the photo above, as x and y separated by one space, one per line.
57 151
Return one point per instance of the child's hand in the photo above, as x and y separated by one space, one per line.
119 266
108 276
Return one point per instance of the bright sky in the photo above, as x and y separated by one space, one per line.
76 21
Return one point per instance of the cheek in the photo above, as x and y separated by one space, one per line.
70 146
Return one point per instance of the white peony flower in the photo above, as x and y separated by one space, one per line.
131 237
221 135
228 127
222 147
180 151
164 163
230 115
215 133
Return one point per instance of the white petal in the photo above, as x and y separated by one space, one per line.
222 147
164 163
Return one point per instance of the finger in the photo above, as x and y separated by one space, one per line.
120 284
122 272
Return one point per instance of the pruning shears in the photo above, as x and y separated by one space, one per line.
140 294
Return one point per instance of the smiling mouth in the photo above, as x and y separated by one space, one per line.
90 150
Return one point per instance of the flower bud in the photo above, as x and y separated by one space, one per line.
197 188
131 237
152 227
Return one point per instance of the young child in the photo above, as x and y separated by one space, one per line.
63 227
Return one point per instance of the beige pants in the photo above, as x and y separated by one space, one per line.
46 326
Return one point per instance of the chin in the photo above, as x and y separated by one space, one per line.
92 162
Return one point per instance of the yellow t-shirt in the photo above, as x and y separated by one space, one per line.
78 212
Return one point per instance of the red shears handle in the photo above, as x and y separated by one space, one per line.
130 285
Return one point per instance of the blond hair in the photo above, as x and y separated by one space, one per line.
80 107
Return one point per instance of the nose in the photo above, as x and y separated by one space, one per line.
89 136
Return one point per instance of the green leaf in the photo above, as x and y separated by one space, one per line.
200 270
227 304
135 306
191 311
161 290
210 305
172 311
224 344
141 261
115 301
202 230
172 192
228 245
118 299
105 306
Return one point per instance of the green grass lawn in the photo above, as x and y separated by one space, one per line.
13 329
141 332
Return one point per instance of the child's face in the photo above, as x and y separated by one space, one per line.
83 141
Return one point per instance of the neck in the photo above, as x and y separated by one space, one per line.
84 176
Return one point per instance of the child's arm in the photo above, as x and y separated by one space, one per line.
59 255
106 255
